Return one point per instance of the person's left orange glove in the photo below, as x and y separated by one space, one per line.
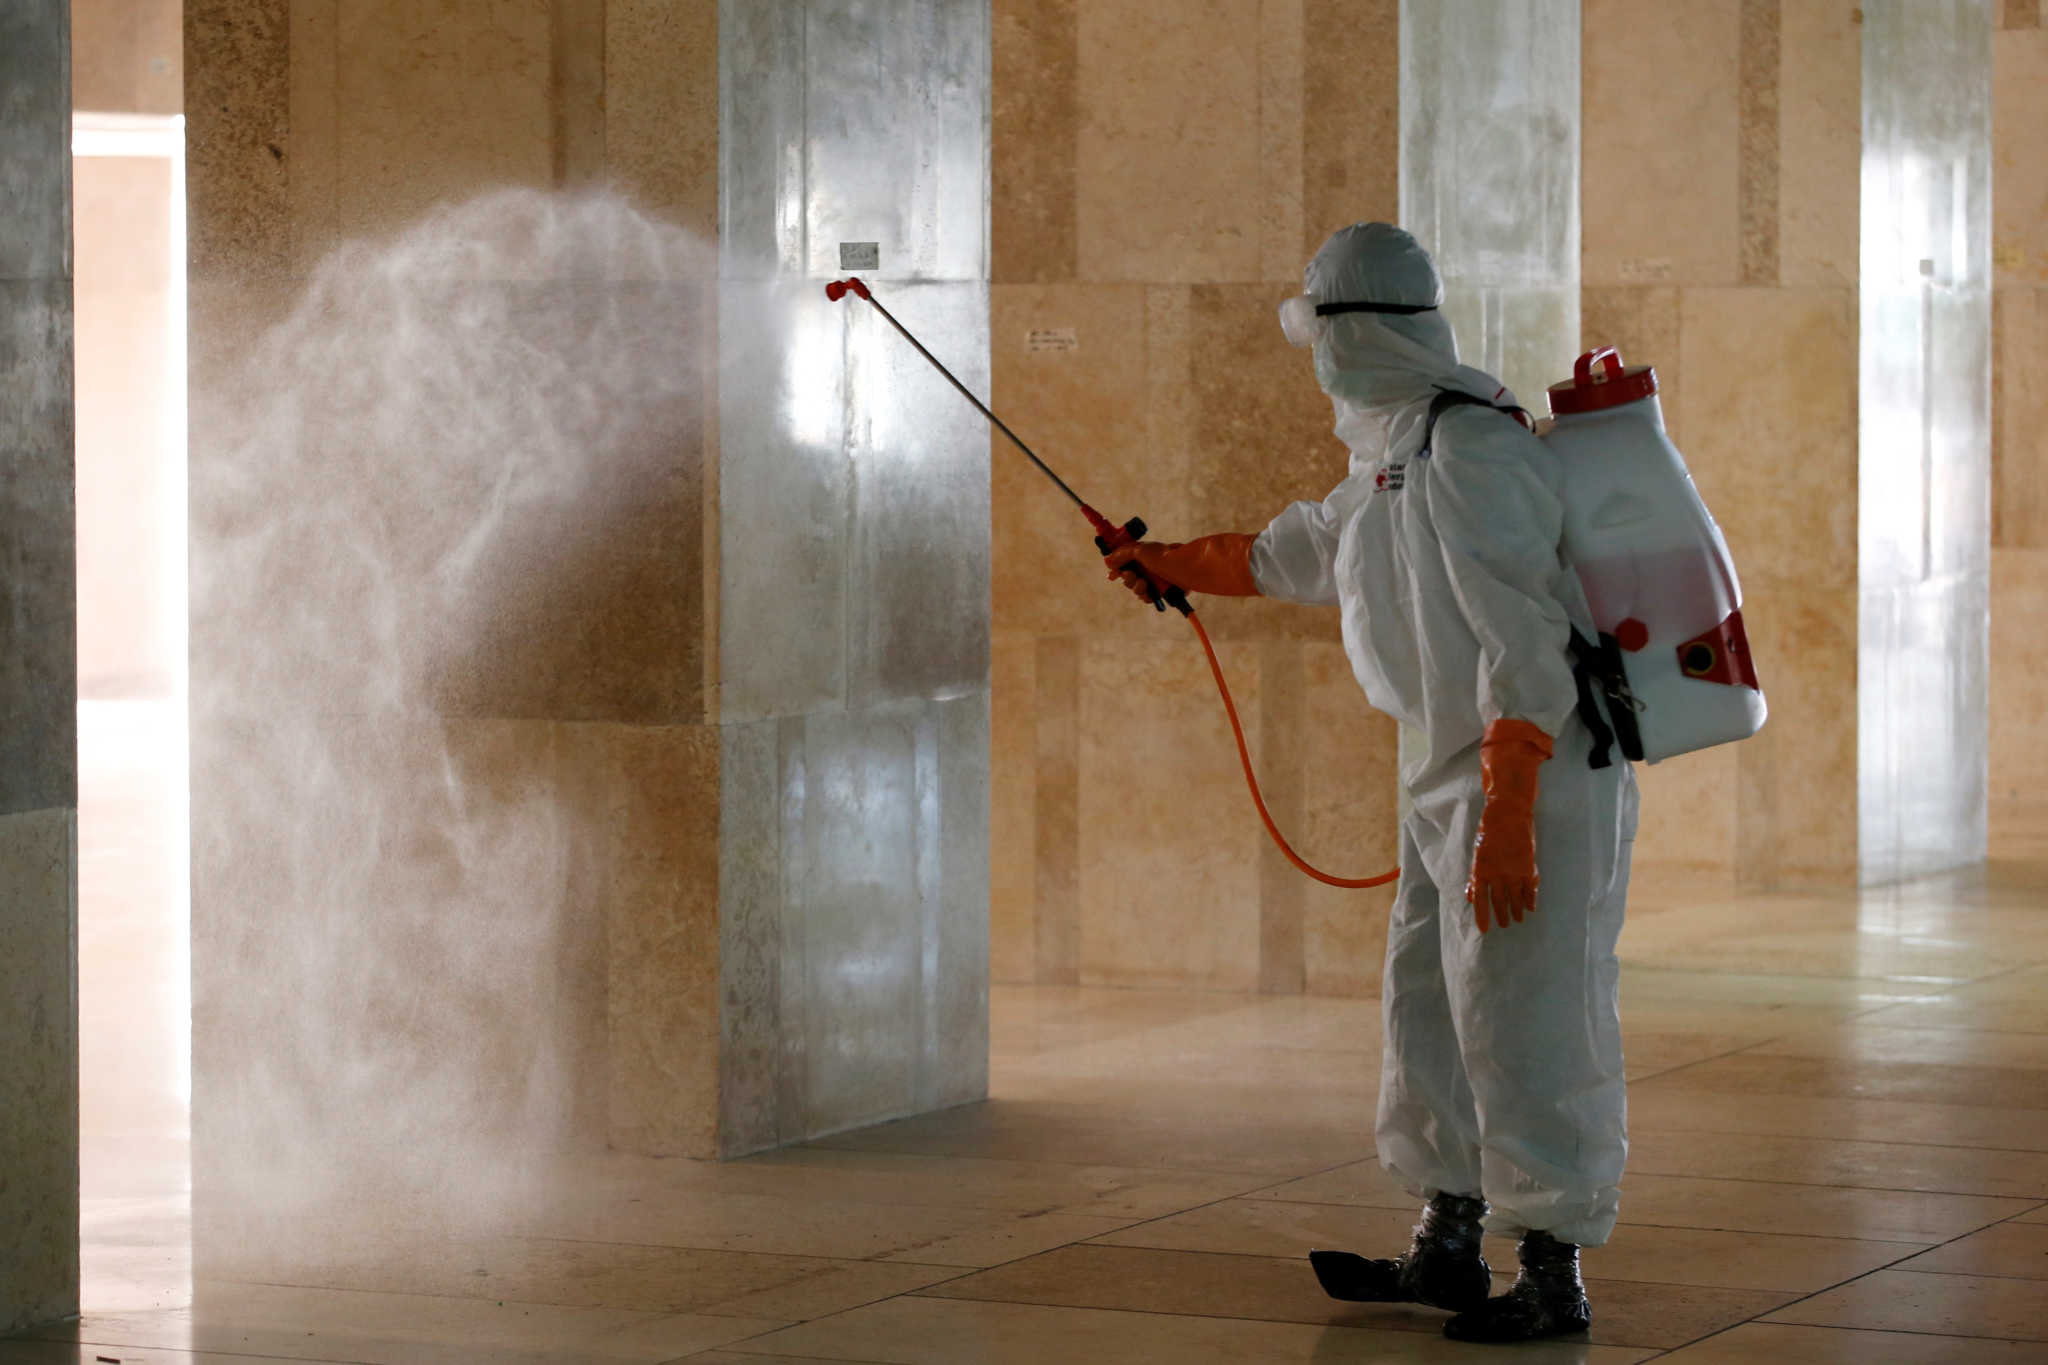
1504 877
1218 565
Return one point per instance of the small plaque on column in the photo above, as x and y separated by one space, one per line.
860 255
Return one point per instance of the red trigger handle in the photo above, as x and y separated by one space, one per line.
1109 536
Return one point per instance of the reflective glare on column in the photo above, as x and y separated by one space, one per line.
1490 182
1490 176
1924 444
854 520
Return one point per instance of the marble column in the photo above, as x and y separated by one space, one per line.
38 680
1490 182
853 546
1924 477
1490 177
657 736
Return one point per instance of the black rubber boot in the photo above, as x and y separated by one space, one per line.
1548 1298
1443 1267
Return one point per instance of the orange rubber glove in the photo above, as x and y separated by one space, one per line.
1504 856
1218 565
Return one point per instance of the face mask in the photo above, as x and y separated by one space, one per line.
1359 427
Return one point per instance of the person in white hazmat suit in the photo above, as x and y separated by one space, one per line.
1501 1092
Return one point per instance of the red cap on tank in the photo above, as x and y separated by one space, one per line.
1599 381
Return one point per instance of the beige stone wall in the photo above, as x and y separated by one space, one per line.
1720 208
312 122
1156 201
2019 516
1161 173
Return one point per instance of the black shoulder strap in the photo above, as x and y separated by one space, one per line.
1596 668
1446 399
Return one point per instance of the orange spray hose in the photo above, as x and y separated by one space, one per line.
1109 536
1251 779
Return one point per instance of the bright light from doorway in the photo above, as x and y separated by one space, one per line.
135 999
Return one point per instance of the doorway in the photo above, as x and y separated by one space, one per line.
134 942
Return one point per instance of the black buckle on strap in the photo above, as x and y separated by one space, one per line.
1598 668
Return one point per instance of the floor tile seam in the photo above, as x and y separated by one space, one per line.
605 1242
1724 973
1892 1265
1920 1246
873 1258
960 1273
1934 983
645 1314
882 1258
185 1351
1789 1296
1823 1185
560 1241
2041 1280
2013 970
1196 1208
1905 1331
1075 1210
1372 1155
1001 1161
1662 1131
1429 1330
1957 1028
731 1347
192 1351
1903 1269
1041 1163
1697 1061
1422 1330
1182 1313
532 1303
1592 1276
1184 1251
1870 1018
1814 1294
401 1294
826 1144
1188 1170
1841 1055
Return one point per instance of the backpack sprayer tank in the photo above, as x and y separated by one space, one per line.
1656 570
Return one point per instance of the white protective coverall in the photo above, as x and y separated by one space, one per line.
1502 1070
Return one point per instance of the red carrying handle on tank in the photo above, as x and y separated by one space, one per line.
1609 360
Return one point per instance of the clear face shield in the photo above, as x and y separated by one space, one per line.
1306 322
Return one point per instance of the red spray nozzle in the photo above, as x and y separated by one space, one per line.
839 289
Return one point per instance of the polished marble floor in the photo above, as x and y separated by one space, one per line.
1840 1153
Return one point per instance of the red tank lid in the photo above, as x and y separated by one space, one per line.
1608 386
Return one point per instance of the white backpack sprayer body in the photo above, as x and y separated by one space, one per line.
1654 564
